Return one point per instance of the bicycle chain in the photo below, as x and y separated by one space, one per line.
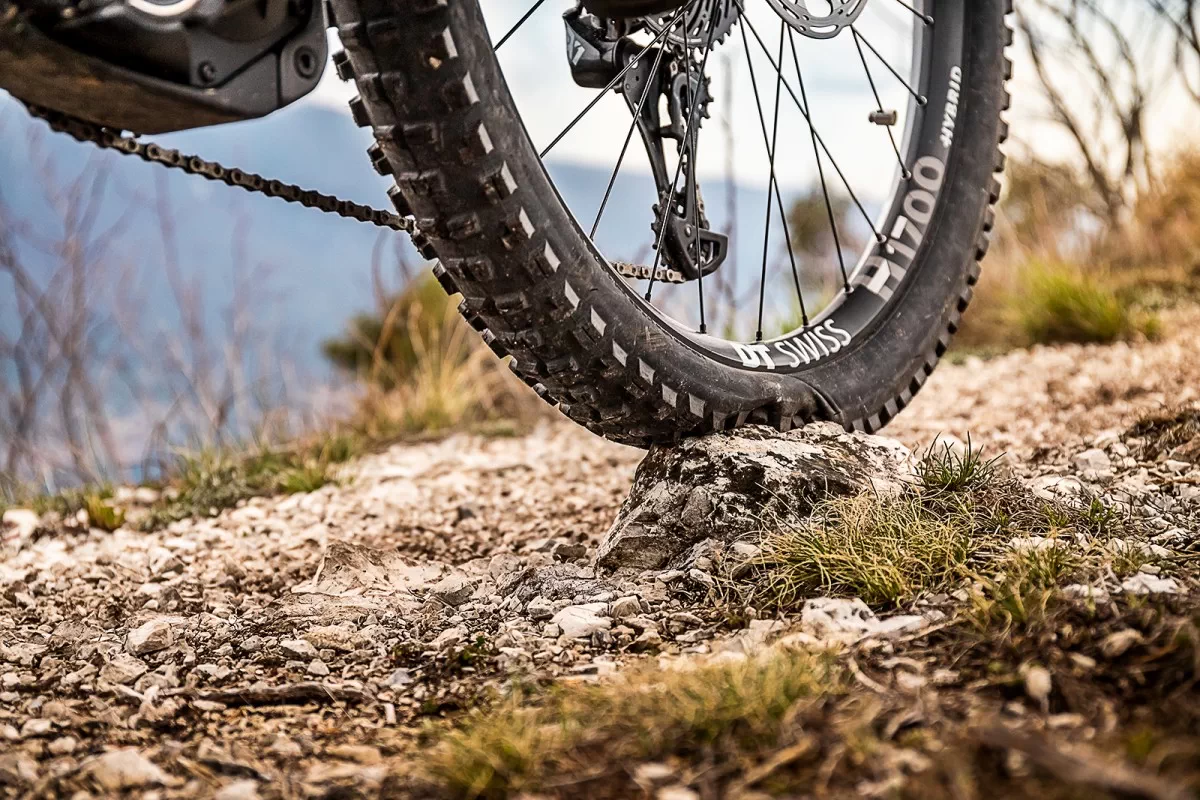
109 139
642 272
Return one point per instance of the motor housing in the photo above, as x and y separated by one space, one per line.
151 67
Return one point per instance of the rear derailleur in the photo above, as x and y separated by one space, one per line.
598 50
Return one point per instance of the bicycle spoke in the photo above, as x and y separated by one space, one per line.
804 112
600 95
920 98
837 240
517 27
690 183
928 20
772 188
879 104
612 179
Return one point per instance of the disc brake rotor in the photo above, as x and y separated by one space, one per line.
796 13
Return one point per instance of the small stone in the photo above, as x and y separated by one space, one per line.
399 678
579 622
63 745
568 551
1096 594
358 753
745 551
465 511
1086 663
1060 721
1171 465
945 677
150 637
649 641
1038 684
653 772
624 607
122 669
676 793
318 667
18 524
454 589
1144 583
124 769
1118 644
336 637
36 727
540 608
849 620
701 577
449 638
18 769
297 649
245 789
145 496
285 747
251 644
1057 487
1095 460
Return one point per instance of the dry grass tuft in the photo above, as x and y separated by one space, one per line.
1051 302
884 552
424 371
207 482
956 525
1024 586
598 732
453 383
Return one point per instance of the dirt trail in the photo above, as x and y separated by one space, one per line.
286 648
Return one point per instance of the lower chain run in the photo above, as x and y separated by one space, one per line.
643 272
108 139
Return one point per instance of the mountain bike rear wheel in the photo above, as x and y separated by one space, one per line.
583 334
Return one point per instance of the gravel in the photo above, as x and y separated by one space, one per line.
268 645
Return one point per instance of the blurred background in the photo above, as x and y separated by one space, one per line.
152 324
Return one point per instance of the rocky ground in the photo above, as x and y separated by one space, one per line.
304 646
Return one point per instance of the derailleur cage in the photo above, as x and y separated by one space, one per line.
598 52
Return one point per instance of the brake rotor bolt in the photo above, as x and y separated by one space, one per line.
207 72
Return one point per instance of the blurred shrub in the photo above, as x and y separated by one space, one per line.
1050 302
1059 303
1061 271
424 370
382 346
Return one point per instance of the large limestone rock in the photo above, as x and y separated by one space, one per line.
722 486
